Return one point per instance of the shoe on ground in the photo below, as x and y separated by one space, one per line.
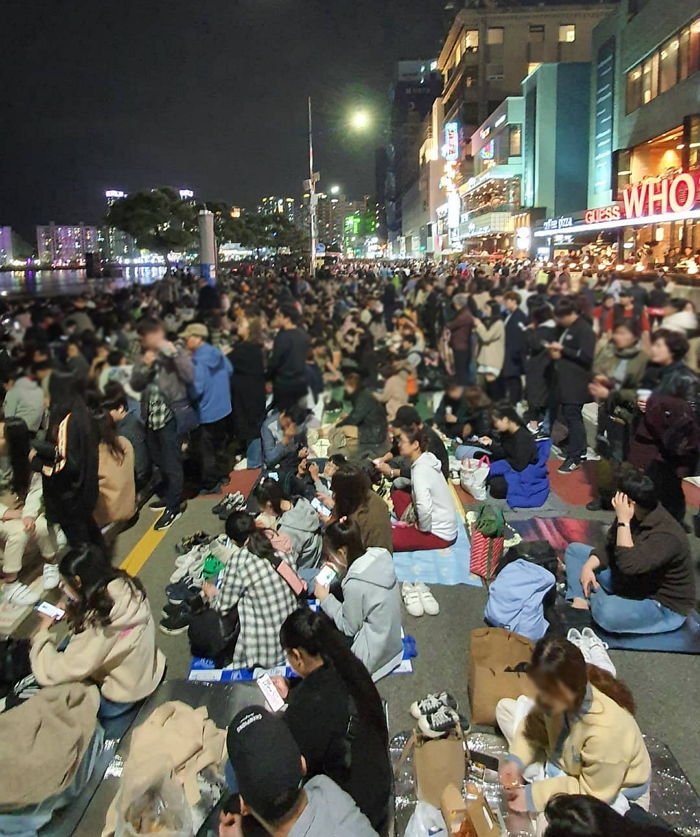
412 599
183 608
569 466
575 638
176 624
595 505
157 505
558 452
432 703
430 605
592 456
438 723
195 539
51 576
166 520
597 651
19 595
183 591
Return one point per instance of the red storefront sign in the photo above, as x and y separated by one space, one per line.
661 196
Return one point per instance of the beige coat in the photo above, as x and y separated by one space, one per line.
121 658
492 344
117 486
394 394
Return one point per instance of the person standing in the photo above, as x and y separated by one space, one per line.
212 391
163 374
573 359
287 365
514 362
460 328
248 388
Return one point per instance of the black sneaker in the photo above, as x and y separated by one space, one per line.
187 544
569 466
595 505
166 520
439 723
157 506
176 624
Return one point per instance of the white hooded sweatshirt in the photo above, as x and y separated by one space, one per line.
432 498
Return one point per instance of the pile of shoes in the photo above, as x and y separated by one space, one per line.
205 560
418 599
437 715
230 503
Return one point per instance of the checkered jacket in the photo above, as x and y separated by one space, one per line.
264 601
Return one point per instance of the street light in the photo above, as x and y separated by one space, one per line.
335 190
360 120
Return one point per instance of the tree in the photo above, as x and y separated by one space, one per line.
158 220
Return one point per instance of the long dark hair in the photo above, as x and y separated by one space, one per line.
318 636
345 533
350 486
585 816
89 572
270 491
259 543
107 434
505 410
557 662
18 444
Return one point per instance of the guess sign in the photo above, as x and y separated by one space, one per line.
676 194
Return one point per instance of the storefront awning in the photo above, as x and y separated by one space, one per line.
622 222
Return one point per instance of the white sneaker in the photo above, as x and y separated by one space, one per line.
51 576
439 723
430 605
18 594
575 638
412 599
432 703
597 651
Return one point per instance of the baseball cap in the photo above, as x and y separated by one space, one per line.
196 330
267 762
406 416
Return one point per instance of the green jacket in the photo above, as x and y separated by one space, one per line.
624 397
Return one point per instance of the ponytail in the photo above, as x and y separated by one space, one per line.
316 634
612 687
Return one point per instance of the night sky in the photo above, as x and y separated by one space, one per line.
205 94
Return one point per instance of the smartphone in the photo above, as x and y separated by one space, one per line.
326 576
320 508
274 699
47 609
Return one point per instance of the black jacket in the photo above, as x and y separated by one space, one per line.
519 449
287 366
573 369
248 389
539 366
369 416
514 361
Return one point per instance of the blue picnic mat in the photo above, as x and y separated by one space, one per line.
449 566
685 640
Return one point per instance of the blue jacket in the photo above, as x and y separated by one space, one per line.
515 599
211 387
529 488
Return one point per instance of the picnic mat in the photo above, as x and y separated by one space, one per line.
203 669
243 481
685 640
561 531
449 566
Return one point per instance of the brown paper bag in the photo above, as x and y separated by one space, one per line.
437 764
491 652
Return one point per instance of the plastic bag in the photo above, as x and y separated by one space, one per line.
474 474
156 805
423 819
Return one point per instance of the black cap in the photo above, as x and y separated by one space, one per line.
406 416
267 762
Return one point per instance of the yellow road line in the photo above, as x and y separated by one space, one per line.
458 503
143 550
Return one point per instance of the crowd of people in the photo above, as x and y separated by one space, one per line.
352 393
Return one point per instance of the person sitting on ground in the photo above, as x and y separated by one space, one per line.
283 435
432 504
643 581
393 466
268 772
264 598
296 517
354 498
395 391
112 634
130 427
322 479
569 725
370 613
365 424
577 815
462 412
335 713
24 399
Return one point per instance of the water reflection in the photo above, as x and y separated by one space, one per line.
56 282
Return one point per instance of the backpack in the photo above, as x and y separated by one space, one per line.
516 599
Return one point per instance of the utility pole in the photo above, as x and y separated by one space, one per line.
313 198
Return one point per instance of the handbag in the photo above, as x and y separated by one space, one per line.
473 476
487 541
497 663
186 417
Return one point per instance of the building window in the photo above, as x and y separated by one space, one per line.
668 65
692 132
514 141
567 33
650 78
634 89
536 34
471 40
494 72
623 171
494 35
470 80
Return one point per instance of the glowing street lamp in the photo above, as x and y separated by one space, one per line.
360 120
335 190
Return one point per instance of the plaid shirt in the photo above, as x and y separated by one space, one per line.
264 601
159 414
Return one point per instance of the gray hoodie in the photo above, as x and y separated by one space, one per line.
330 812
371 611
26 401
303 527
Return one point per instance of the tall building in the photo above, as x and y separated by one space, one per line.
643 197
7 245
58 244
411 96
331 212
115 245
274 205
